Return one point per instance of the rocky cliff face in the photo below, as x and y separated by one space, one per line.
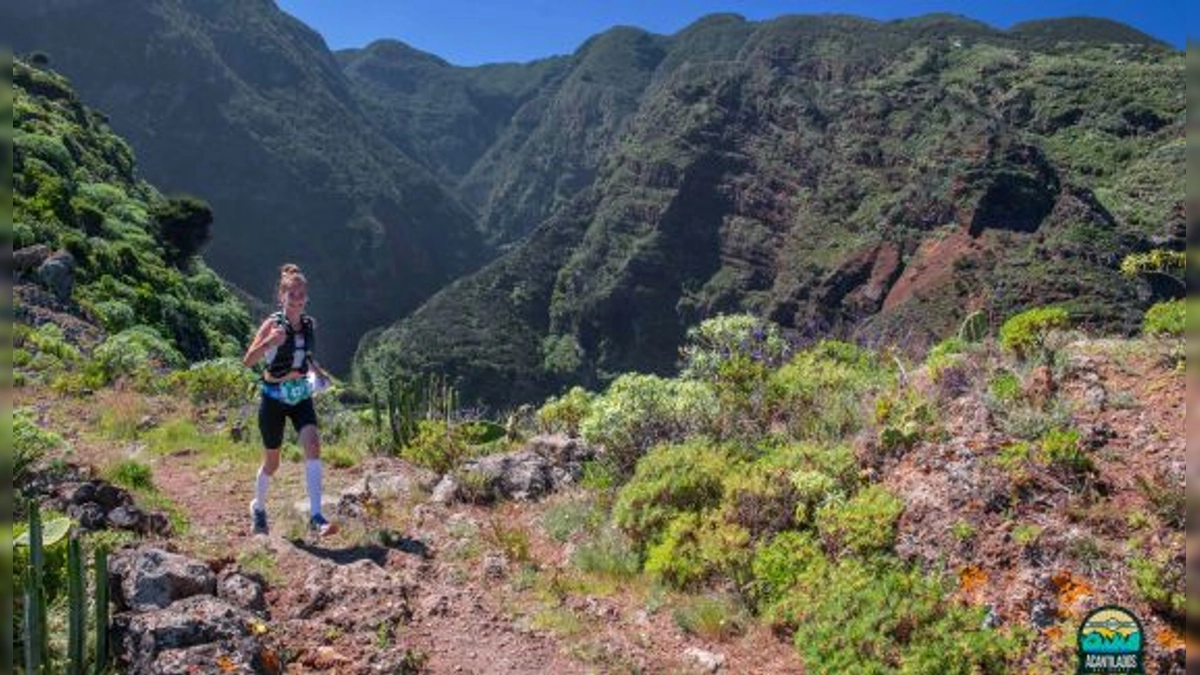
837 175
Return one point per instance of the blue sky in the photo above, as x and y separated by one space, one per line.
470 32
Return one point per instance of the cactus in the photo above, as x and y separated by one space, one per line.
100 564
37 649
36 644
411 399
76 621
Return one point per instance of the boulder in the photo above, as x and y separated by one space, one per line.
30 258
168 639
151 578
57 273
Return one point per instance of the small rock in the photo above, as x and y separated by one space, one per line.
89 515
436 605
708 661
494 566
126 518
1095 397
242 591
445 492
327 657
110 497
1042 614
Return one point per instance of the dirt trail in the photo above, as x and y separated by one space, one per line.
420 587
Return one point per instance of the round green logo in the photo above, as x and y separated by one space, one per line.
1110 641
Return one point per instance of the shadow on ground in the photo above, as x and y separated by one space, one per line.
375 552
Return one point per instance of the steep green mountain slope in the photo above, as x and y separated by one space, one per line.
243 104
836 175
444 116
76 189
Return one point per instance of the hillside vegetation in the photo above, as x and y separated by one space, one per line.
245 106
836 175
839 176
866 512
123 274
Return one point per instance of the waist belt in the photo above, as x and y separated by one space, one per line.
290 392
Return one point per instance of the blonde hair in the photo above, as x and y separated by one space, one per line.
289 274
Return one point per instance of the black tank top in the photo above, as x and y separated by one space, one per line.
295 352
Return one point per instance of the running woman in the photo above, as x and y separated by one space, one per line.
285 340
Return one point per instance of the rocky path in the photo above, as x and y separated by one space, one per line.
410 585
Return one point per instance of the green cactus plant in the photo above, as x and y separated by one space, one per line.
35 638
76 622
100 565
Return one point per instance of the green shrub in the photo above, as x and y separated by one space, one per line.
339 457
1013 456
698 547
439 445
561 521
864 524
670 480
819 394
561 355
736 354
942 352
812 490
856 616
21 358
1060 447
1005 387
640 411
1026 533
134 351
1025 334
720 340
564 414
776 568
599 476
762 499
1166 319
114 315
711 617
216 381
30 443
905 418
1161 584
49 339
609 554
131 474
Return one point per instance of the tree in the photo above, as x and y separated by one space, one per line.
184 227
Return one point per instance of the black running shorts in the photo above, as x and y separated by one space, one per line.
274 414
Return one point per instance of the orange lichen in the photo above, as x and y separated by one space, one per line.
1169 640
971 578
1071 591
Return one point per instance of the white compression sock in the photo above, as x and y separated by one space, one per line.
260 490
312 477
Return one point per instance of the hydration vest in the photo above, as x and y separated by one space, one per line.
296 351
